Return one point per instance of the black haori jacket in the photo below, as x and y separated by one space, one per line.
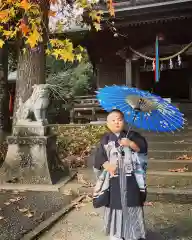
108 150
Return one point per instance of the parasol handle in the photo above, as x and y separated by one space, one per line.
129 129
137 109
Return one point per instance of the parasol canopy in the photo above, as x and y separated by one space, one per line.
142 109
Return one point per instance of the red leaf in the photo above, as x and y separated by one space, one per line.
24 28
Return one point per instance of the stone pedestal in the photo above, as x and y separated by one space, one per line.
32 156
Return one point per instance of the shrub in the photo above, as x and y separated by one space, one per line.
75 142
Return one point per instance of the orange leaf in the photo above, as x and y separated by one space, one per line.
24 28
25 5
52 13
184 157
111 7
180 170
4 14
149 204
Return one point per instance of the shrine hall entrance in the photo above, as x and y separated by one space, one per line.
173 83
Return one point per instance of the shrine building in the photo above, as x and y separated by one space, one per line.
124 51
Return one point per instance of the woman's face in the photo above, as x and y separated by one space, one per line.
115 122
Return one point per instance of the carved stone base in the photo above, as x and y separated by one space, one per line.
30 129
32 160
28 122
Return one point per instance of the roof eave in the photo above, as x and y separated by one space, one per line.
148 8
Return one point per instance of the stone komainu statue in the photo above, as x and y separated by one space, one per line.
37 104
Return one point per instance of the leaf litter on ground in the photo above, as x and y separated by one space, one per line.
26 212
93 214
23 210
15 192
149 204
81 180
68 192
29 214
88 199
184 157
180 170
13 200
79 205
182 141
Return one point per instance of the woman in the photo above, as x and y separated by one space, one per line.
124 156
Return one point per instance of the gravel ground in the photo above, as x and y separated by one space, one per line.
164 221
22 211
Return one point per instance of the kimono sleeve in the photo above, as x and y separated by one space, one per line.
140 141
100 157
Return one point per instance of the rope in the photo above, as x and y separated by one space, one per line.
164 58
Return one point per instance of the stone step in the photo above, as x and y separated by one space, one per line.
170 146
169 179
180 196
165 165
174 187
172 139
185 132
166 154
154 194
163 195
168 138
161 164
155 178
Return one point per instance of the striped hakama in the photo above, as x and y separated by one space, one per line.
127 222
134 228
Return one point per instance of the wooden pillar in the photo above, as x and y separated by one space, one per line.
190 80
128 72
136 74
190 91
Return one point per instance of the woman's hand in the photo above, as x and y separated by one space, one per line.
110 167
128 143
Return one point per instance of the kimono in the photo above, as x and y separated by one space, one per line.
123 216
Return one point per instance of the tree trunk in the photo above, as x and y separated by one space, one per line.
31 67
4 96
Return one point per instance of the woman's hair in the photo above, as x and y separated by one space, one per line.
117 111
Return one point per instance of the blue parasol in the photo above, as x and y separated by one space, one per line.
141 108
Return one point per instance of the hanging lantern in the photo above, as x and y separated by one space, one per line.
161 36
153 65
171 64
161 67
145 64
179 60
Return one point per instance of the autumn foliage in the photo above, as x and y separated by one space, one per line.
24 20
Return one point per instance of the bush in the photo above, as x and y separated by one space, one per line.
75 142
